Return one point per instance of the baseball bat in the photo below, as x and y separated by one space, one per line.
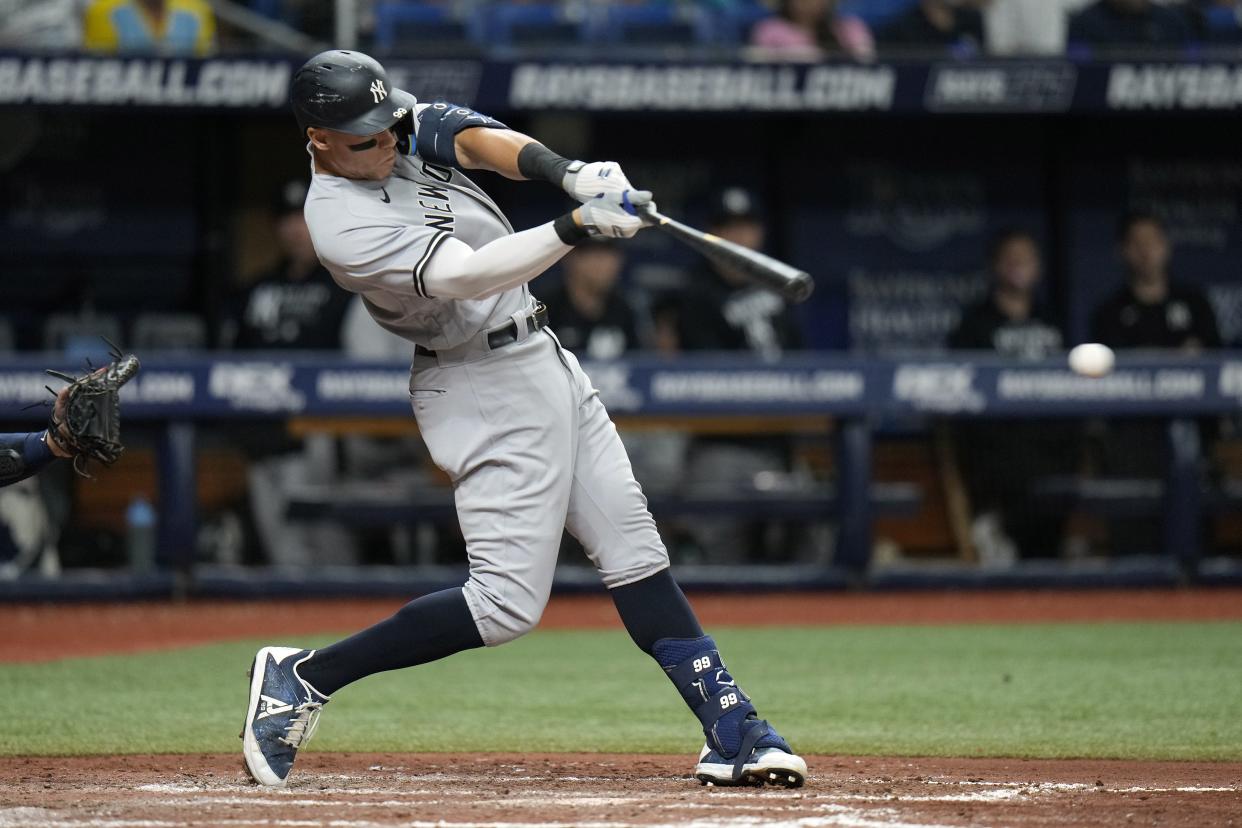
795 285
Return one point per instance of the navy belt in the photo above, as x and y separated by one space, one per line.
506 335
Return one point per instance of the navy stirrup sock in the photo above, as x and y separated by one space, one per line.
424 630
655 608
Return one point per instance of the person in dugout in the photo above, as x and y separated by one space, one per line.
1149 311
1002 461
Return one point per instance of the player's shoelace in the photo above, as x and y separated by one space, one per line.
303 724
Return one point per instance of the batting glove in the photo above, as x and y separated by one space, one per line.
615 214
586 181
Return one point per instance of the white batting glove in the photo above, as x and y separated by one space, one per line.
585 181
617 215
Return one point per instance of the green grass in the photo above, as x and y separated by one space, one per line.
1144 691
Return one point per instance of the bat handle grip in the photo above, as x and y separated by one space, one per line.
649 214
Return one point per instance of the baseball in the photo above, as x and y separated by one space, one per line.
1091 359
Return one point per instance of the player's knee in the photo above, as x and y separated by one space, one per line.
652 561
501 615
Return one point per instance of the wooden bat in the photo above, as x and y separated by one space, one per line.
795 285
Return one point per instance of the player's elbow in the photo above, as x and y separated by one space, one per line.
456 286
460 285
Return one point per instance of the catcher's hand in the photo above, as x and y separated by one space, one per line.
86 418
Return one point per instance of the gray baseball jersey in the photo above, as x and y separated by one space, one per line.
376 238
519 430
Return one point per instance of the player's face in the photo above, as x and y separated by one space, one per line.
367 158
1146 250
1017 265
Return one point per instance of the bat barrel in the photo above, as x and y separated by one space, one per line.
801 287
794 284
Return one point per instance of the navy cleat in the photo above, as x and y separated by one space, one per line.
282 714
764 757
741 748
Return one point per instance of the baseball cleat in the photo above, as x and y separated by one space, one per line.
765 758
282 715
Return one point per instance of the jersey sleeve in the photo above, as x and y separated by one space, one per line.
22 455
456 271
393 258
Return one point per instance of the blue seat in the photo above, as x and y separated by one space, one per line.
875 13
652 24
523 24
399 23
1222 24
267 8
732 24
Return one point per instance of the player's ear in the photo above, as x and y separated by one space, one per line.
318 137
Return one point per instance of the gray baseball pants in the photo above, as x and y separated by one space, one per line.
531 451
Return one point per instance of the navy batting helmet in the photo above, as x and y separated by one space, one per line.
348 92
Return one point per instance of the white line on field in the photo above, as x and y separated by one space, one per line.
845 819
1070 786
301 788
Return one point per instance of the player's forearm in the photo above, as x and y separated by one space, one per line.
457 272
495 150
22 455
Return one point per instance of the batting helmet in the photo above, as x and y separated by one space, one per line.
348 92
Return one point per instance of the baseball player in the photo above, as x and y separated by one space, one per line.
503 408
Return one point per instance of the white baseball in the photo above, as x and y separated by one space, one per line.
1092 359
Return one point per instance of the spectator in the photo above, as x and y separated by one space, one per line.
40 24
166 27
1149 311
1028 27
1129 23
812 29
1001 461
589 315
936 24
719 311
295 305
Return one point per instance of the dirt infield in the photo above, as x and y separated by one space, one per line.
40 632
609 791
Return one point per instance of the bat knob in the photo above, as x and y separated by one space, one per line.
801 287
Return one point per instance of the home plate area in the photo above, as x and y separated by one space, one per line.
609 791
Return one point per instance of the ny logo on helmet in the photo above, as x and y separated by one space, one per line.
378 91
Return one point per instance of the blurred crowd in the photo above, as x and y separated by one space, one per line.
776 29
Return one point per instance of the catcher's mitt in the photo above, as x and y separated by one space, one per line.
86 418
